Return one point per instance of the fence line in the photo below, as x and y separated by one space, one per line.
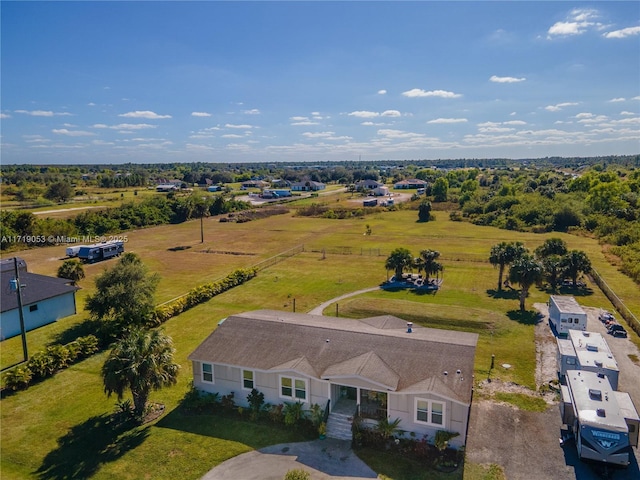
377 252
258 266
622 309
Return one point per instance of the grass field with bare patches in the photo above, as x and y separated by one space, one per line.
48 428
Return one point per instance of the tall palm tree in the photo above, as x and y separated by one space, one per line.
398 260
141 362
427 262
574 263
552 270
503 254
525 271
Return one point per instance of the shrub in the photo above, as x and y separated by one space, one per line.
297 474
18 378
293 413
256 401
276 414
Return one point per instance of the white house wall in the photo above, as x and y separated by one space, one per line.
48 311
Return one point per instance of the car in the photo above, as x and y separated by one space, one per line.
617 330
604 316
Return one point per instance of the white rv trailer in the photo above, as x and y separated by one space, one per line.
586 351
603 430
565 314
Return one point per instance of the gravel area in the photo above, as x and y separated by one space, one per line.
526 444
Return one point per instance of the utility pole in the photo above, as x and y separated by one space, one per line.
18 287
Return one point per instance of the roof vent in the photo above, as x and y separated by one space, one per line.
601 413
458 371
446 373
595 394
591 347
598 363
586 334
409 327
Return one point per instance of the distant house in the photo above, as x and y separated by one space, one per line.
307 186
214 188
380 191
387 367
166 187
44 299
254 184
412 183
367 185
280 183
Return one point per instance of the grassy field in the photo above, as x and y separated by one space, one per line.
61 425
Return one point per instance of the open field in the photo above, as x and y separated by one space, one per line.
45 427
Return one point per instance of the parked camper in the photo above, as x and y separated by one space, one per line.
602 422
73 251
370 203
100 251
565 314
586 351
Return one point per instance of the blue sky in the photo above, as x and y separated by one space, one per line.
113 82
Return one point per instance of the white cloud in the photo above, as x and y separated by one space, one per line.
72 133
559 106
318 134
364 114
496 79
514 122
625 112
636 98
584 115
390 133
232 135
298 119
244 126
304 123
625 32
577 22
125 126
144 114
43 113
619 99
448 120
5 115
200 114
253 111
91 104
382 92
371 124
418 92
391 113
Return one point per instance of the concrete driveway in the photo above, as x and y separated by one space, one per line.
324 459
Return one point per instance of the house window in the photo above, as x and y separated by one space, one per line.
33 308
293 388
430 412
207 372
247 379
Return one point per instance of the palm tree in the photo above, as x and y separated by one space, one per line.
525 271
551 246
552 269
142 361
427 263
574 263
504 254
71 270
398 260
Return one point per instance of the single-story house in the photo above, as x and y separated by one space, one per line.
367 184
383 365
307 186
254 184
167 187
381 191
44 299
412 183
280 183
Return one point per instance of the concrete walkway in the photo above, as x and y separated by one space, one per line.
324 459
320 308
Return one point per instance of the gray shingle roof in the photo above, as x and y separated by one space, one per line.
38 288
378 349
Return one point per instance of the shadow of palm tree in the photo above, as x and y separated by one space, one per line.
88 327
527 317
86 446
509 294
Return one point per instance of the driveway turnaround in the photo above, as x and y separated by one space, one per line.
324 459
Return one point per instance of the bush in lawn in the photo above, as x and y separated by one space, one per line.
18 378
276 414
297 474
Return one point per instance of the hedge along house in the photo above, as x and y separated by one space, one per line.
383 365
44 299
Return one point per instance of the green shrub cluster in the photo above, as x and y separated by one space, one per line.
47 362
201 294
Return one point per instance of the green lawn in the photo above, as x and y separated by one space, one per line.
61 425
